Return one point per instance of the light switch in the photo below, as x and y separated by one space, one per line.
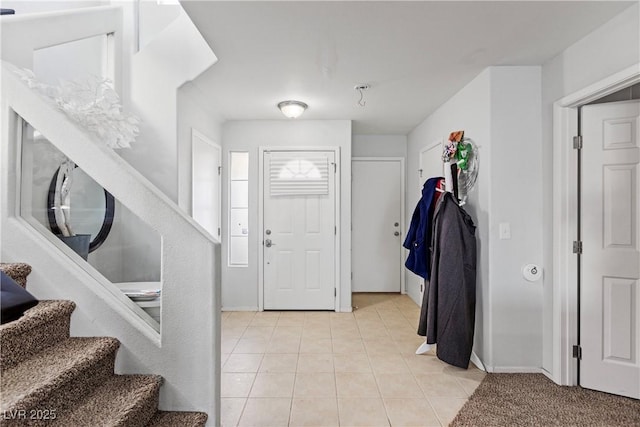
505 231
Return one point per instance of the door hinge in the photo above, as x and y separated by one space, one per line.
219 170
335 167
335 292
421 287
335 230
420 172
352 275
577 246
577 352
218 231
577 142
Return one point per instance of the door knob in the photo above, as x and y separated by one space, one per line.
395 224
268 243
397 233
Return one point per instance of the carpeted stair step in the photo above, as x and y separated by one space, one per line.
58 376
123 400
18 271
173 419
40 327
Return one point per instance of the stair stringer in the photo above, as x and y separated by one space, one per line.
186 352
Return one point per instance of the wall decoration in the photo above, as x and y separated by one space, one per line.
463 153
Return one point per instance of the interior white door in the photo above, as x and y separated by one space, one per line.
205 195
431 164
610 298
376 234
299 215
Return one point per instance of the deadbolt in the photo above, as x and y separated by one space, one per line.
395 224
267 232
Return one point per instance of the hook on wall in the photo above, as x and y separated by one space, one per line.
361 88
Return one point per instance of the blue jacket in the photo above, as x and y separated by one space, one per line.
418 239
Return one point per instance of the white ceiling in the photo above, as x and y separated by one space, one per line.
415 55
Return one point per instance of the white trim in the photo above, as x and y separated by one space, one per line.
337 207
565 124
196 133
476 361
241 308
227 230
424 149
403 286
547 374
516 370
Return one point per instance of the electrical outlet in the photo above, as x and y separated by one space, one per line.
505 231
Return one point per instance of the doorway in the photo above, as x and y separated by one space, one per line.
377 222
299 229
566 243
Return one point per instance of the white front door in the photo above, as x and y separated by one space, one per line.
610 298
205 190
376 235
299 226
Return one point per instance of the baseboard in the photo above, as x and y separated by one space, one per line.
476 361
549 375
517 370
242 308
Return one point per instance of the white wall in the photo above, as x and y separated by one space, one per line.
240 284
469 110
380 146
154 18
516 198
607 50
500 111
177 55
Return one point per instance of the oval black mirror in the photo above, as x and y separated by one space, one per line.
90 190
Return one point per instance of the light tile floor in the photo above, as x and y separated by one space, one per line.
337 369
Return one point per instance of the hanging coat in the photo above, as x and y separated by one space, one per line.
448 311
418 237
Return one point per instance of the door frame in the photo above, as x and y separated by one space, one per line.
565 219
195 133
401 252
429 147
337 209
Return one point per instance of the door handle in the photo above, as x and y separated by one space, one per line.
397 233
268 243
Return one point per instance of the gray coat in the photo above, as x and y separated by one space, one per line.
447 316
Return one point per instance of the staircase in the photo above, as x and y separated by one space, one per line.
50 378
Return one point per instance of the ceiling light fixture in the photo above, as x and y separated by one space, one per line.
292 109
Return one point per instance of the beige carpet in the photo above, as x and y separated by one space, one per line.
534 400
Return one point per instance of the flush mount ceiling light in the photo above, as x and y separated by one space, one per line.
292 109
